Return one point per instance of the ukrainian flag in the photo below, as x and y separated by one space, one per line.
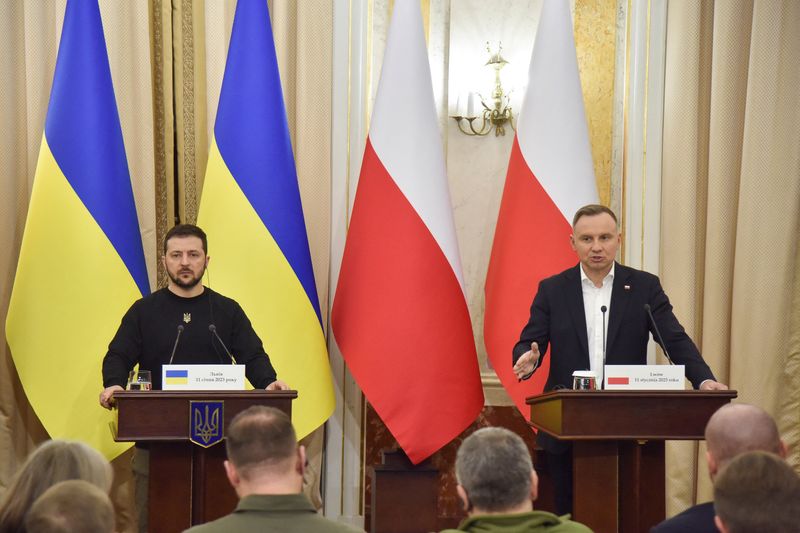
177 377
252 214
81 264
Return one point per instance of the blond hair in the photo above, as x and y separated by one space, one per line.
53 461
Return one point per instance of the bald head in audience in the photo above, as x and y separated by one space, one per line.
73 506
734 429
757 491
738 428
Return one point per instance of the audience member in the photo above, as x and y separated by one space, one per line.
53 461
265 466
757 491
497 486
74 506
734 429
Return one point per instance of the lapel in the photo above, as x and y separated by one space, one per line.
620 298
574 297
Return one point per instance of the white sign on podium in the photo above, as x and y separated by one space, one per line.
644 377
202 377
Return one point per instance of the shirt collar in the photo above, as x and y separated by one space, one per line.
609 276
275 502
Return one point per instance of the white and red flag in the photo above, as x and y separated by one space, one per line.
399 314
550 175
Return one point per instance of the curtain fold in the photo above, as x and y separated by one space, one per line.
731 197
29 34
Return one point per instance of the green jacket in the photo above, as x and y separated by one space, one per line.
531 522
287 513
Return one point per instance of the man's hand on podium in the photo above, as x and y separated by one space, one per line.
278 385
107 396
527 362
710 384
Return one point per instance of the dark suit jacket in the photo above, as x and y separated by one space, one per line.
558 322
697 519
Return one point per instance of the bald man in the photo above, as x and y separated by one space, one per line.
734 429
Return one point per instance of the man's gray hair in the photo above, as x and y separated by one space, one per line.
494 467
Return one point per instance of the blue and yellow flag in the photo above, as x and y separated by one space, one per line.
81 264
252 214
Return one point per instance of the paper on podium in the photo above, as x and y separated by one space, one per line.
645 377
202 377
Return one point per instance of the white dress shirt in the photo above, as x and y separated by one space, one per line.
593 299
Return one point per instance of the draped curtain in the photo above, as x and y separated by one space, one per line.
731 208
167 59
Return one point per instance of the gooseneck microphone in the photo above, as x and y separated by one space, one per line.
213 329
175 346
658 333
603 310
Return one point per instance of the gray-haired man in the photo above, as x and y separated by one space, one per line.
497 486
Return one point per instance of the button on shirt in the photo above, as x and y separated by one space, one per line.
593 299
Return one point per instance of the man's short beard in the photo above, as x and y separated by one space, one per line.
186 285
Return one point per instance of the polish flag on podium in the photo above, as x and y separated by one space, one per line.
550 176
399 315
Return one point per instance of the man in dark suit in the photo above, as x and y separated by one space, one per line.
595 313
734 429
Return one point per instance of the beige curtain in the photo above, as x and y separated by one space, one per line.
29 35
731 207
167 59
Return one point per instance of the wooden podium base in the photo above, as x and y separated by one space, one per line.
187 484
618 447
192 479
618 485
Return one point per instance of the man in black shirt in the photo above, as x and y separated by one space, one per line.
148 330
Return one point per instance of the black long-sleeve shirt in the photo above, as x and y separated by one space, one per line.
148 330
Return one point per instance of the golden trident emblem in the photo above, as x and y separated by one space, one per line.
206 427
187 317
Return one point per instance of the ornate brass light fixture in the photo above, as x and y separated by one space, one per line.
497 112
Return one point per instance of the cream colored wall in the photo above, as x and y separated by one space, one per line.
477 165
457 33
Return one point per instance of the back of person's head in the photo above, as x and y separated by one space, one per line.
737 428
261 440
494 469
53 461
757 491
73 506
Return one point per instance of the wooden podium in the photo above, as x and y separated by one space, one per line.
187 483
618 447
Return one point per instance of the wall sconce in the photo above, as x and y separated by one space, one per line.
497 113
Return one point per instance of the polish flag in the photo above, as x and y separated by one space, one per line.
399 314
550 176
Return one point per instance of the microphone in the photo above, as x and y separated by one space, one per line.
603 310
213 329
175 346
658 333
